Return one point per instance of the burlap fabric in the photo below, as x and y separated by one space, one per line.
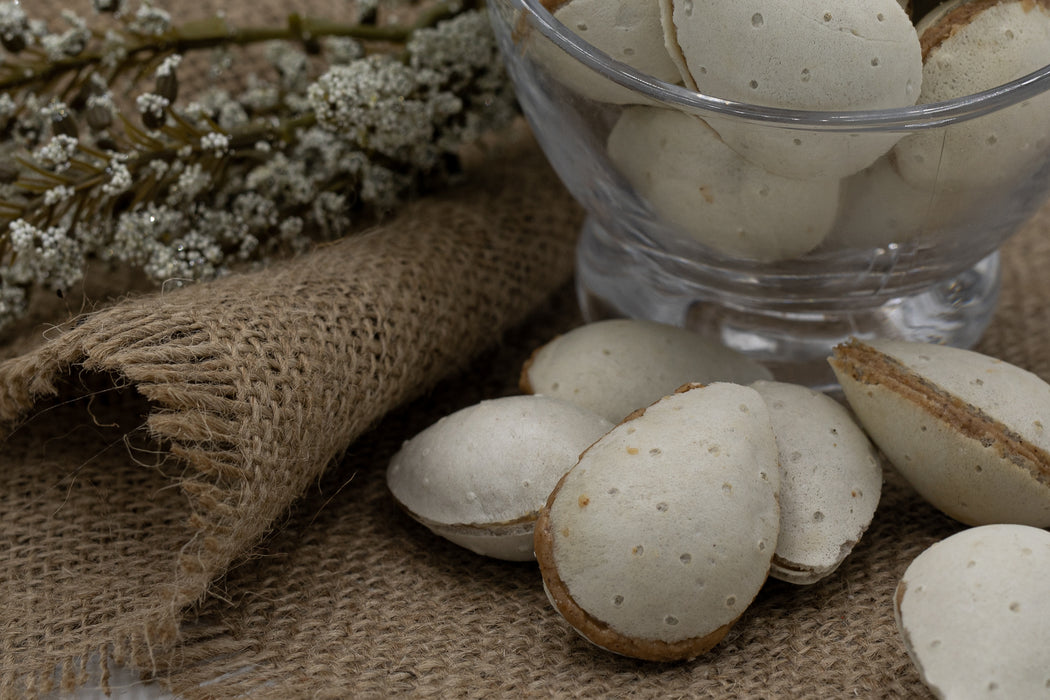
152 444
192 483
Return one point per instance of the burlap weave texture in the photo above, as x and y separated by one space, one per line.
208 410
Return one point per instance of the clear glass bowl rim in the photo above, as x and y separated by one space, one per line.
925 116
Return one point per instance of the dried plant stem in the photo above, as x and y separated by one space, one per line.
101 160
34 211
209 33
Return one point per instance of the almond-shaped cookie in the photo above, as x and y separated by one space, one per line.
617 366
700 186
804 54
655 543
478 477
880 208
974 615
968 431
628 32
807 54
969 47
830 481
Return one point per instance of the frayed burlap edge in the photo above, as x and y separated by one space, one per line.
257 382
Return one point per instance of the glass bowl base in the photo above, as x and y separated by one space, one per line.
613 281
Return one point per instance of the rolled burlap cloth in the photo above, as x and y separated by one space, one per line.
151 446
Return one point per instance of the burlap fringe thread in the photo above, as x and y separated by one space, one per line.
254 384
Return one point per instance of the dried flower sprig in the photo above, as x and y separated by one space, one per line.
358 117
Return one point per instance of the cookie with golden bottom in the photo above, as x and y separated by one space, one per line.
659 538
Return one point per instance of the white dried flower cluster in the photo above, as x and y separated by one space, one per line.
55 154
32 123
415 112
367 7
160 240
342 50
260 97
291 234
375 101
119 180
57 195
232 178
14 24
192 181
8 107
150 20
137 234
152 104
219 106
70 42
43 254
38 29
216 143
114 49
292 65
13 300
190 257
103 104
168 65
460 58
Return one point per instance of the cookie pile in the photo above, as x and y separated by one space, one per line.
767 191
656 505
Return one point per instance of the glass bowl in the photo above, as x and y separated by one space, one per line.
878 223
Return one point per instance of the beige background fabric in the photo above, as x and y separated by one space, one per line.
192 482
